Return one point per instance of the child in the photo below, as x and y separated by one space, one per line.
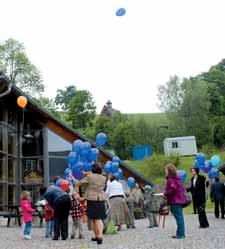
27 211
150 206
77 212
130 203
49 216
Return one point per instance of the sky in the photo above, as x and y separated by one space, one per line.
124 59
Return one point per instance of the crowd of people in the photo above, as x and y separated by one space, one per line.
99 190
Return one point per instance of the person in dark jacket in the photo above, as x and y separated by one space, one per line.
217 195
61 203
198 191
174 194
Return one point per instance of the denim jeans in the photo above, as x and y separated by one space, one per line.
27 228
49 228
177 211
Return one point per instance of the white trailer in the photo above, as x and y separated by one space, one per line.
185 146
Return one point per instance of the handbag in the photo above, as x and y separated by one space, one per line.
187 198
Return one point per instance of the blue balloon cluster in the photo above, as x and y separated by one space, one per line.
113 167
208 166
80 159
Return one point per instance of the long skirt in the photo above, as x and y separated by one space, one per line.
119 211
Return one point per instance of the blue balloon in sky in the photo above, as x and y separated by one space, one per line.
114 167
120 12
107 167
116 159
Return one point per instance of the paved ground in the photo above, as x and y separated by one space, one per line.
140 238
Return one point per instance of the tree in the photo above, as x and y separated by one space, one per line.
123 139
18 68
63 97
81 110
49 105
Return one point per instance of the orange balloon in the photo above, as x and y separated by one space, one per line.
64 185
22 101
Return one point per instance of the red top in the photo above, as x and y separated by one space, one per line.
49 212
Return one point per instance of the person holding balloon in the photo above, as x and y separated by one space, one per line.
175 197
96 197
198 190
60 201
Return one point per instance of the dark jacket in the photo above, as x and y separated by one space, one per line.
217 191
199 190
174 191
53 194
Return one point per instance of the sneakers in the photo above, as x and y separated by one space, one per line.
27 237
178 237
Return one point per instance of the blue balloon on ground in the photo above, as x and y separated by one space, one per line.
215 161
114 167
67 171
120 12
206 167
131 182
72 158
58 182
116 159
77 145
93 154
88 167
213 173
107 167
182 174
101 139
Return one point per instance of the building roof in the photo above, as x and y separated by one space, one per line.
172 139
63 130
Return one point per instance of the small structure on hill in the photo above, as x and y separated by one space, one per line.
185 146
108 110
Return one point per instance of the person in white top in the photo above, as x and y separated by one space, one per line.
114 188
118 207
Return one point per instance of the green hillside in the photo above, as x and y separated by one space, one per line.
159 119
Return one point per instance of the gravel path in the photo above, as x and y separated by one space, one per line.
140 238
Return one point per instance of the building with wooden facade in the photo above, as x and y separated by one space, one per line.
34 146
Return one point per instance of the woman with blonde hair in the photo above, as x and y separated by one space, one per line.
174 194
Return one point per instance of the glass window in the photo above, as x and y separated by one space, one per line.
12 118
3 176
57 166
34 192
174 145
11 169
11 194
1 137
11 142
33 171
32 143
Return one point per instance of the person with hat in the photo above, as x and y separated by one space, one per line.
150 206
